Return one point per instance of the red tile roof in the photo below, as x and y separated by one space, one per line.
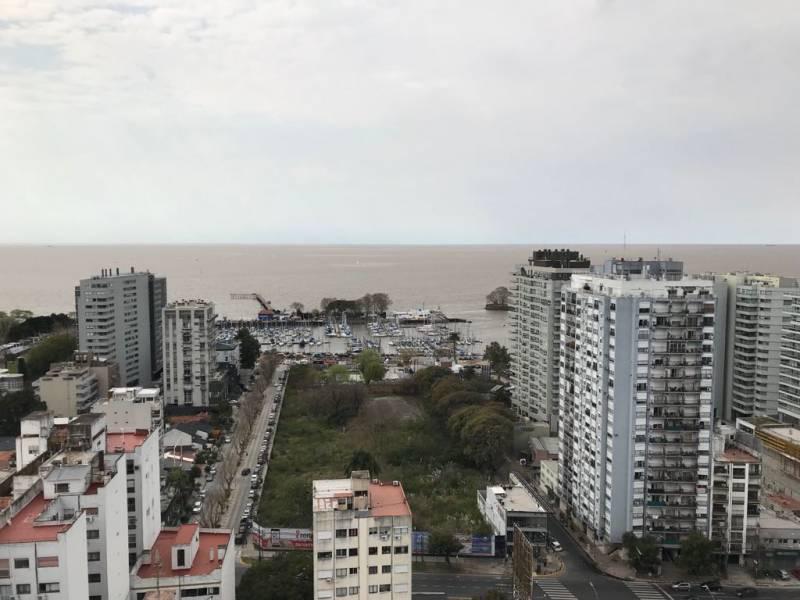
787 502
387 500
21 529
202 565
125 442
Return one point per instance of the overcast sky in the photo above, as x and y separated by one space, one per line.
414 121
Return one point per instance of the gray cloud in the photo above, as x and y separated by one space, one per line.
378 121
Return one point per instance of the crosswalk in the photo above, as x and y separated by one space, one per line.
644 590
555 590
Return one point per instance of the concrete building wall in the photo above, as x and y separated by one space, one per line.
789 378
189 355
68 390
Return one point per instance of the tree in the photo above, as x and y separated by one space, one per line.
644 554
381 302
499 296
485 432
337 374
361 460
371 366
426 378
498 357
324 303
54 349
32 326
297 307
213 508
287 576
181 484
228 469
697 555
366 304
444 543
454 338
249 348
14 406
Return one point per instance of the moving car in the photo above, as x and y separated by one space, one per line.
711 586
683 586
747 592
784 575
556 545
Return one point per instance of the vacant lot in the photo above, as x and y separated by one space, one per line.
407 444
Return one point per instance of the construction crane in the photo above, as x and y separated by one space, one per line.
266 311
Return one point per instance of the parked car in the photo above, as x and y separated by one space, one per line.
683 586
556 545
784 575
711 586
747 592
251 493
246 471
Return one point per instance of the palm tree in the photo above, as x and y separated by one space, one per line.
454 338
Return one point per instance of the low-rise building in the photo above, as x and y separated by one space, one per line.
35 431
510 505
10 382
106 370
227 353
192 561
362 539
68 390
133 408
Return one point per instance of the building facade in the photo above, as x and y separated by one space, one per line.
755 314
508 506
189 355
132 409
10 382
534 331
362 539
119 319
636 406
655 268
68 390
789 378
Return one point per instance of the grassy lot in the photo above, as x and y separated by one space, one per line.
408 444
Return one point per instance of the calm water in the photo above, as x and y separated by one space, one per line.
455 278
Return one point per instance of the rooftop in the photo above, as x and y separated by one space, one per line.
125 442
516 498
185 534
737 455
784 501
383 499
205 562
388 500
22 527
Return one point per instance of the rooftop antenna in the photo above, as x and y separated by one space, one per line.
624 242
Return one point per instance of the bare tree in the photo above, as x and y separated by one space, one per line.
228 468
243 431
213 508
297 307
381 302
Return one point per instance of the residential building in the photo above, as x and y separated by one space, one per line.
754 327
68 390
534 326
227 353
637 372
656 268
139 451
187 560
10 382
789 379
119 319
107 371
133 408
736 487
548 477
35 430
362 538
507 506
189 356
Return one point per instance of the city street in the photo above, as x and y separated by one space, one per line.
241 484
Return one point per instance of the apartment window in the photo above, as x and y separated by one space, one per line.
94 577
47 561
353 590
5 573
341 572
385 587
340 533
401 549
373 570
386 549
23 589
181 557
341 552
373 589
129 466
373 550
92 534
342 591
324 555
96 597
21 563
386 569
373 530
62 488
353 570
353 532
353 552
49 588
131 504
5 591
91 511
93 556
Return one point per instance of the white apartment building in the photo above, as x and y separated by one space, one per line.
190 561
362 539
189 355
637 370
10 382
755 315
68 390
789 379
534 326
139 451
35 430
119 319
132 408
508 506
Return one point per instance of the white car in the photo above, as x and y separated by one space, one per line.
683 586
556 545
